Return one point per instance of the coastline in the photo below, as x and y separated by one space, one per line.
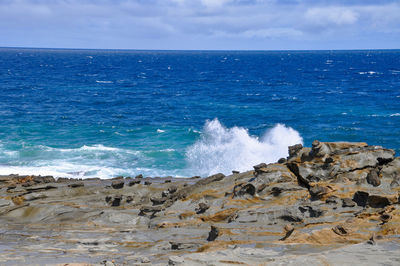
335 203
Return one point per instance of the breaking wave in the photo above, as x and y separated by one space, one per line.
222 149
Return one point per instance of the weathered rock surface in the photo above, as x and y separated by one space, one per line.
321 205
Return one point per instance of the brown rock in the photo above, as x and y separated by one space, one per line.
117 184
373 178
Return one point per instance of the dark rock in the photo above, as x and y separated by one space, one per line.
317 192
43 179
235 172
347 202
213 234
77 184
157 201
332 200
150 210
180 246
288 229
243 189
385 217
195 177
118 178
117 201
129 199
202 208
340 230
108 199
328 160
361 198
282 160
259 166
311 212
293 150
276 191
134 182
373 178
168 181
376 201
172 189
139 176
128 178
118 184
147 183
10 187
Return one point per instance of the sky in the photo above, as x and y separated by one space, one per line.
201 24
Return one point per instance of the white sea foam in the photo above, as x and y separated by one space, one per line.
104 81
395 114
222 149
160 131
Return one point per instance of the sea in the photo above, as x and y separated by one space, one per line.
105 113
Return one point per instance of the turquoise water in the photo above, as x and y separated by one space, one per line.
102 113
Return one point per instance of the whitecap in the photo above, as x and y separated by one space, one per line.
395 114
160 131
104 81
222 149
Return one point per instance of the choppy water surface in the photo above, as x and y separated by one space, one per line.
94 113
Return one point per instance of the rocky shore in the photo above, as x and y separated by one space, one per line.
331 204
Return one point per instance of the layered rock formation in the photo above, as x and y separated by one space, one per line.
333 203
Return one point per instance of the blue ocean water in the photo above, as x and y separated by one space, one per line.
102 113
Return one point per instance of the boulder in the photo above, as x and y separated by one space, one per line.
117 184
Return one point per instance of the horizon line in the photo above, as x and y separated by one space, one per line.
197 50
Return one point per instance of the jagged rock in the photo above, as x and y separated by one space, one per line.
259 166
317 192
340 230
345 157
213 234
243 189
116 201
118 184
202 208
158 201
139 176
332 200
293 150
373 178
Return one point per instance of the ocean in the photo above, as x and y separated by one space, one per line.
104 113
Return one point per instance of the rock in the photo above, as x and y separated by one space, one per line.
118 184
4 203
180 246
259 166
373 178
317 192
243 189
234 172
202 208
282 160
361 198
168 181
347 202
288 230
77 184
157 201
117 201
311 211
293 150
332 200
12 186
385 217
340 230
118 178
40 188
377 201
149 209
140 176
147 183
175 260
213 234
133 182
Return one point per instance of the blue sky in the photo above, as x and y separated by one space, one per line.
201 24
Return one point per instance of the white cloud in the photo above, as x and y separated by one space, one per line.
332 15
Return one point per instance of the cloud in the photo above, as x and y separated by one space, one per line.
198 24
332 15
